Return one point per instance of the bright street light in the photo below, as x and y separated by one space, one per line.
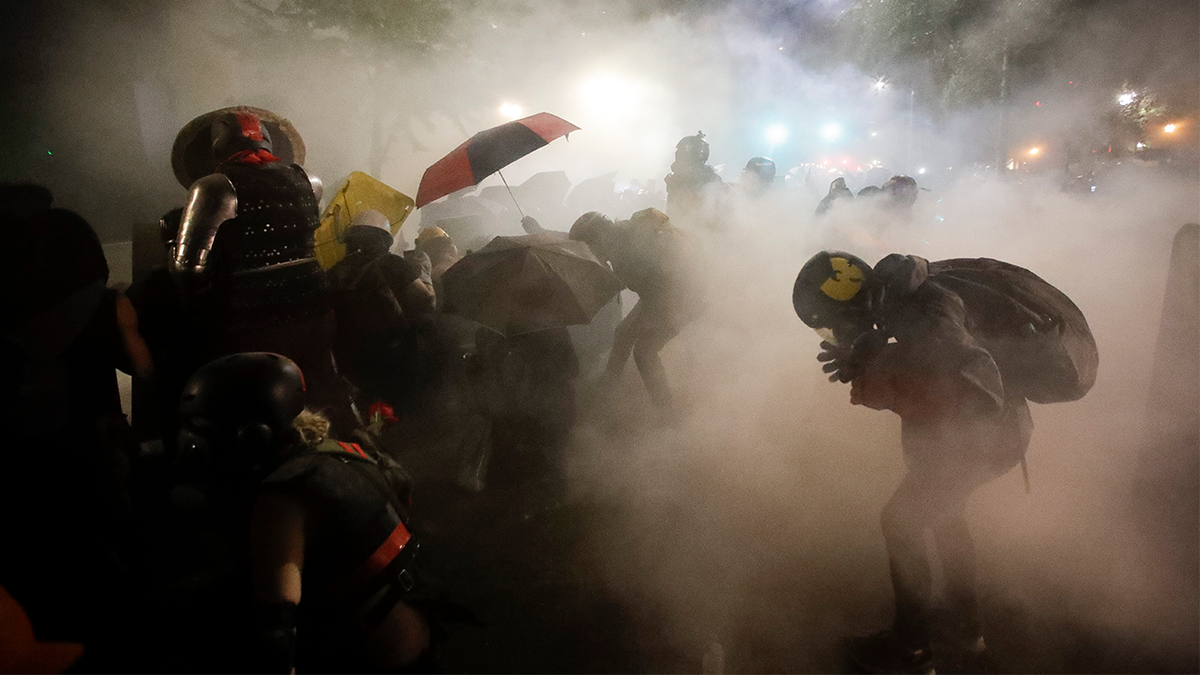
1034 151
831 131
1127 98
1170 128
511 110
776 133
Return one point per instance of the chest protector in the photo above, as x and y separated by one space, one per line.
263 259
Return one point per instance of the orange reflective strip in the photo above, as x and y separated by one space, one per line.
386 553
353 449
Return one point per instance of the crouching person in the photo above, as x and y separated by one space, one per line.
319 525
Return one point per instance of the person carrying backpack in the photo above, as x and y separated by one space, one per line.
379 299
956 348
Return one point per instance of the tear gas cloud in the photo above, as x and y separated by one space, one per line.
754 520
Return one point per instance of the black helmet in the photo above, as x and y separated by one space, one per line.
902 189
763 167
236 131
831 295
692 149
242 405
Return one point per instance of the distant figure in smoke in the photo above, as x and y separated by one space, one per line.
901 192
659 263
758 178
837 192
244 254
442 252
955 348
690 182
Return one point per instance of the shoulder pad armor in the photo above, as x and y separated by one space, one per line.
211 201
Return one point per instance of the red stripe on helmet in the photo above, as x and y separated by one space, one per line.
251 127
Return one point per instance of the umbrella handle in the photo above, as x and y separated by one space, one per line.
510 194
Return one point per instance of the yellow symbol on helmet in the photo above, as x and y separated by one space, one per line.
845 282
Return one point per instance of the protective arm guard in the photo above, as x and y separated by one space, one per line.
212 201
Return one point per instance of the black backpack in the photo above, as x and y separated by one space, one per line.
1039 339
363 300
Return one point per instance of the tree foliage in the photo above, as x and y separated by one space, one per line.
962 43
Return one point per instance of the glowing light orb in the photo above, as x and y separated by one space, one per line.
831 131
777 133
1170 128
1127 98
610 97
1034 151
511 110
920 171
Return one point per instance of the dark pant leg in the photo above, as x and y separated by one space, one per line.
956 550
924 501
623 340
650 365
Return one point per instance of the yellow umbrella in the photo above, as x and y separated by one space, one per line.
359 193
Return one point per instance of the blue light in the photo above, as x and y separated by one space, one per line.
831 131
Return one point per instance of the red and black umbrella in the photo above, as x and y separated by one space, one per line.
487 152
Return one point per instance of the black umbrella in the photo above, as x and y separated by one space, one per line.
522 284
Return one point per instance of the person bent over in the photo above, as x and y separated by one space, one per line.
900 338
659 263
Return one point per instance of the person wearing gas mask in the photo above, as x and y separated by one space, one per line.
326 566
955 348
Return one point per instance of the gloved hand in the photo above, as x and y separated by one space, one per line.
846 363
530 225
836 360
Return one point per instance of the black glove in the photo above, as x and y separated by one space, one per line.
836 360
846 363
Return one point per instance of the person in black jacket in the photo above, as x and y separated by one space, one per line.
903 337
380 301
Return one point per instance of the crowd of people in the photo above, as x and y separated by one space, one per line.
257 518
